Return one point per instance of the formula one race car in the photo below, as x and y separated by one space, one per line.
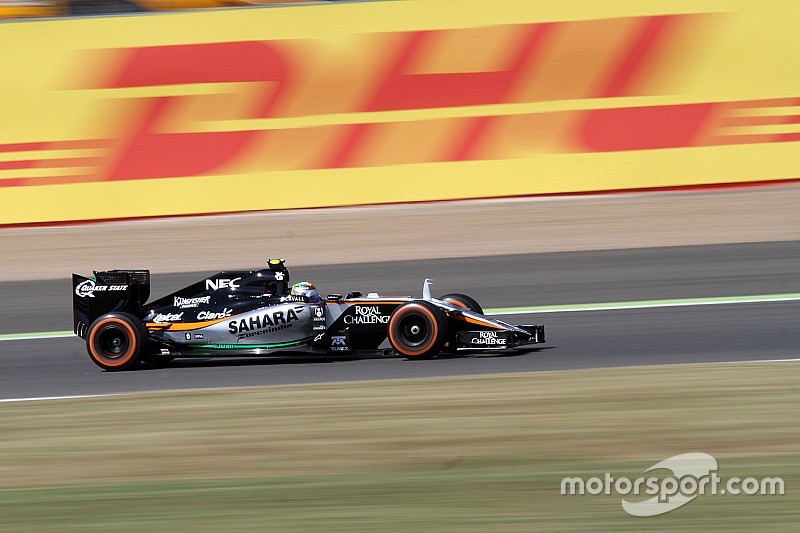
250 313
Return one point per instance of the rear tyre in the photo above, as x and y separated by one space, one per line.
418 330
114 341
463 301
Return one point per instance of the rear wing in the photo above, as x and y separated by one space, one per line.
105 292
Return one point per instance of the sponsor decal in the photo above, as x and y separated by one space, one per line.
318 319
185 303
279 276
366 314
85 288
199 336
292 299
212 315
88 287
262 324
188 336
216 284
339 343
399 87
167 317
262 331
489 338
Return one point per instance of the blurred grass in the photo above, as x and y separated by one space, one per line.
444 454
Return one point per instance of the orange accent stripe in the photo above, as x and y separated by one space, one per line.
184 326
474 321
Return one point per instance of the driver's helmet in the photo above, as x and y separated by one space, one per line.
307 289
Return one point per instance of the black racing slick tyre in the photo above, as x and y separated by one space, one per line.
418 330
115 340
463 301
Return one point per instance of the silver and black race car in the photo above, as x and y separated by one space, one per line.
252 313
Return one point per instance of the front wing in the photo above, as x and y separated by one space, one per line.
500 340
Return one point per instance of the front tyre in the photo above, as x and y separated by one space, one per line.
463 301
418 330
114 341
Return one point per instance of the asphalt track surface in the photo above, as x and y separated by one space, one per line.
588 339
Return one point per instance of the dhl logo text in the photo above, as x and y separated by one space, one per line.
383 99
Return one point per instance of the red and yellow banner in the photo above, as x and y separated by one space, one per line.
376 102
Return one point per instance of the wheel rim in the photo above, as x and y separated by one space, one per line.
113 342
414 330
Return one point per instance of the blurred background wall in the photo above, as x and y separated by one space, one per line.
338 103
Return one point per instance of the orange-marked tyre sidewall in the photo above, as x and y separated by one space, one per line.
433 323
125 358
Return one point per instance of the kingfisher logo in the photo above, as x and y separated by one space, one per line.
184 303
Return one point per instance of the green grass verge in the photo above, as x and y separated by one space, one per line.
454 454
